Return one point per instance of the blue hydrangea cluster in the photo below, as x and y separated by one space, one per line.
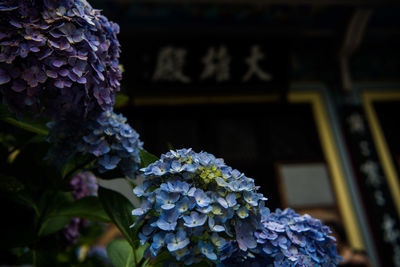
290 239
114 142
197 208
108 137
57 57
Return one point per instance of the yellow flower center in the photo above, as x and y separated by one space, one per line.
209 173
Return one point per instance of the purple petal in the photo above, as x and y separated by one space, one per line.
58 63
72 76
8 8
15 24
18 86
47 53
81 80
34 49
4 77
51 74
41 76
59 83
63 72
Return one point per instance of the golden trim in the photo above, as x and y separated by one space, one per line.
380 141
332 157
188 100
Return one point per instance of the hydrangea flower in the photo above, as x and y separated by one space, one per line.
114 142
290 239
71 231
83 184
57 57
108 137
193 205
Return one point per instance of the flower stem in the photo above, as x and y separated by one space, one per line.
26 126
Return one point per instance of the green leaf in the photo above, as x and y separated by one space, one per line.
76 163
146 158
27 125
88 208
49 203
4 113
53 224
120 211
140 253
120 253
160 259
8 140
10 184
25 199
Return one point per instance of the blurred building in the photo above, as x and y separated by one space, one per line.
302 95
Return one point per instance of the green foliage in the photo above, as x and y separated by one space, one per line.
53 224
146 158
119 209
161 258
40 203
4 113
28 123
63 210
49 204
75 164
10 184
88 208
121 254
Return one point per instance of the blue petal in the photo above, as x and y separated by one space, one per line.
201 198
244 236
222 202
168 206
195 219
207 250
231 199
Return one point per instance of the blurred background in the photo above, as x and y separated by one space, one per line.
301 95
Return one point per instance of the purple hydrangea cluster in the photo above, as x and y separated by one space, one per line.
114 142
83 184
108 137
197 208
71 231
290 239
57 57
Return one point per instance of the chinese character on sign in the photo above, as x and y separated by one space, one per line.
216 63
254 69
170 65
356 123
391 235
380 200
370 169
396 255
364 148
